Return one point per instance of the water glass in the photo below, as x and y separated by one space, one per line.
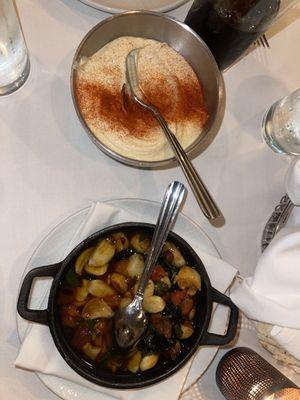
14 59
281 125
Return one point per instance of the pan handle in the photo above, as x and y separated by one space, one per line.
40 316
216 339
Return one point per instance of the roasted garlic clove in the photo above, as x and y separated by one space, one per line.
148 361
128 294
192 291
135 266
173 255
125 302
135 287
119 283
120 241
102 254
134 362
188 278
149 290
185 331
140 242
97 308
166 281
121 267
192 314
153 304
98 271
91 351
81 293
99 288
83 259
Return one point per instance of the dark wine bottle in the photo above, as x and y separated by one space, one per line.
229 27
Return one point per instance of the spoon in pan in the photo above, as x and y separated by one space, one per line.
203 197
131 321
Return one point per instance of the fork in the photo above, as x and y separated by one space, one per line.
277 220
262 41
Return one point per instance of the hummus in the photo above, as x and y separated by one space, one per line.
121 124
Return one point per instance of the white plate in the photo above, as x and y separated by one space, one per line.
115 6
51 250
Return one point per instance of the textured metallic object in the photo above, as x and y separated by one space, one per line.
262 41
242 374
277 220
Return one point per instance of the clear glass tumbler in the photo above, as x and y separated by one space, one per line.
14 59
281 125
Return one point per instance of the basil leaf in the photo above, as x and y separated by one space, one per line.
106 356
178 331
160 288
91 323
72 278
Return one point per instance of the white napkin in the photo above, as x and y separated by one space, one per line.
38 351
288 338
272 295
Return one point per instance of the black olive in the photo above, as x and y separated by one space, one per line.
171 269
165 344
124 254
149 342
167 311
172 311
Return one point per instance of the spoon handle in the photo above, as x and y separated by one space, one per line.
170 207
202 195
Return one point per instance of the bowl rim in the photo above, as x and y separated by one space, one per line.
113 10
70 356
201 140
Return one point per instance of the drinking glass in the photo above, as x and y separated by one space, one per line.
281 125
14 59
229 27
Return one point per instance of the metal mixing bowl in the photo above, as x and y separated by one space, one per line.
180 37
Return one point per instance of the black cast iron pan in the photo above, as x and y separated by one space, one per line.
205 298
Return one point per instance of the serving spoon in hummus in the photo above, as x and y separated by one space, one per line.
202 195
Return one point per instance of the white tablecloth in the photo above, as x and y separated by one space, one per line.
49 167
